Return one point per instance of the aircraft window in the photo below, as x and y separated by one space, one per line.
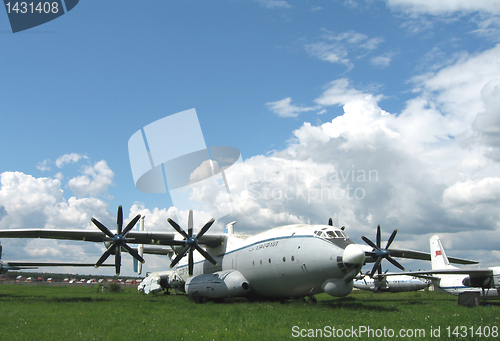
330 234
339 234
293 258
269 260
284 259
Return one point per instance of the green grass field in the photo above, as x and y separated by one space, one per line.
80 313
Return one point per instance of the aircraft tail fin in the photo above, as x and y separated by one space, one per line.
439 260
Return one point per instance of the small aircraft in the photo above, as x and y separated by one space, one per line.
382 283
450 279
284 262
20 265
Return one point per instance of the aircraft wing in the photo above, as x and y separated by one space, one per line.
478 278
6 266
32 265
136 237
426 256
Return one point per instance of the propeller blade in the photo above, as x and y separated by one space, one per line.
206 255
391 238
395 263
177 228
118 260
105 255
369 242
205 228
375 267
103 228
134 253
190 223
131 225
378 236
190 262
119 220
179 256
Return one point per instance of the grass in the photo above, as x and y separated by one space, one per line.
80 313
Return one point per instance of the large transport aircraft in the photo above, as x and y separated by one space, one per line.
400 283
22 265
452 280
284 262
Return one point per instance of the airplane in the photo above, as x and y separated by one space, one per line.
292 261
21 265
393 284
452 280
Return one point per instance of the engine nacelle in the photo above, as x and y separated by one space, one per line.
221 284
478 282
337 287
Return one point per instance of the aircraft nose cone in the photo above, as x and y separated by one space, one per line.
353 254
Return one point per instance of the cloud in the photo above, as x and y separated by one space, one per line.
382 61
339 92
95 181
484 13
445 6
30 202
335 48
272 4
69 158
44 165
285 108
431 165
487 122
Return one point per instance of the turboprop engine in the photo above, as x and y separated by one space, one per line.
222 284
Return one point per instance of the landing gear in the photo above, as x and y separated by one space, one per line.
311 299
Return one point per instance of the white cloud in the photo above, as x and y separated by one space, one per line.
339 92
69 158
487 122
204 171
285 108
335 48
485 13
30 202
95 181
272 4
332 53
446 6
44 165
383 60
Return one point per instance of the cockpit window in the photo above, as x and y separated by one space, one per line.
330 234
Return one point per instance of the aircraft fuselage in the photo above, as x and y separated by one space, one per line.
288 261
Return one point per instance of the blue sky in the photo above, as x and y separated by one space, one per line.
403 87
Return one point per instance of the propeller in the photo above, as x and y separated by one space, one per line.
380 253
117 240
191 242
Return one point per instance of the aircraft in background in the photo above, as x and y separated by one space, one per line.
450 279
284 262
21 265
382 283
